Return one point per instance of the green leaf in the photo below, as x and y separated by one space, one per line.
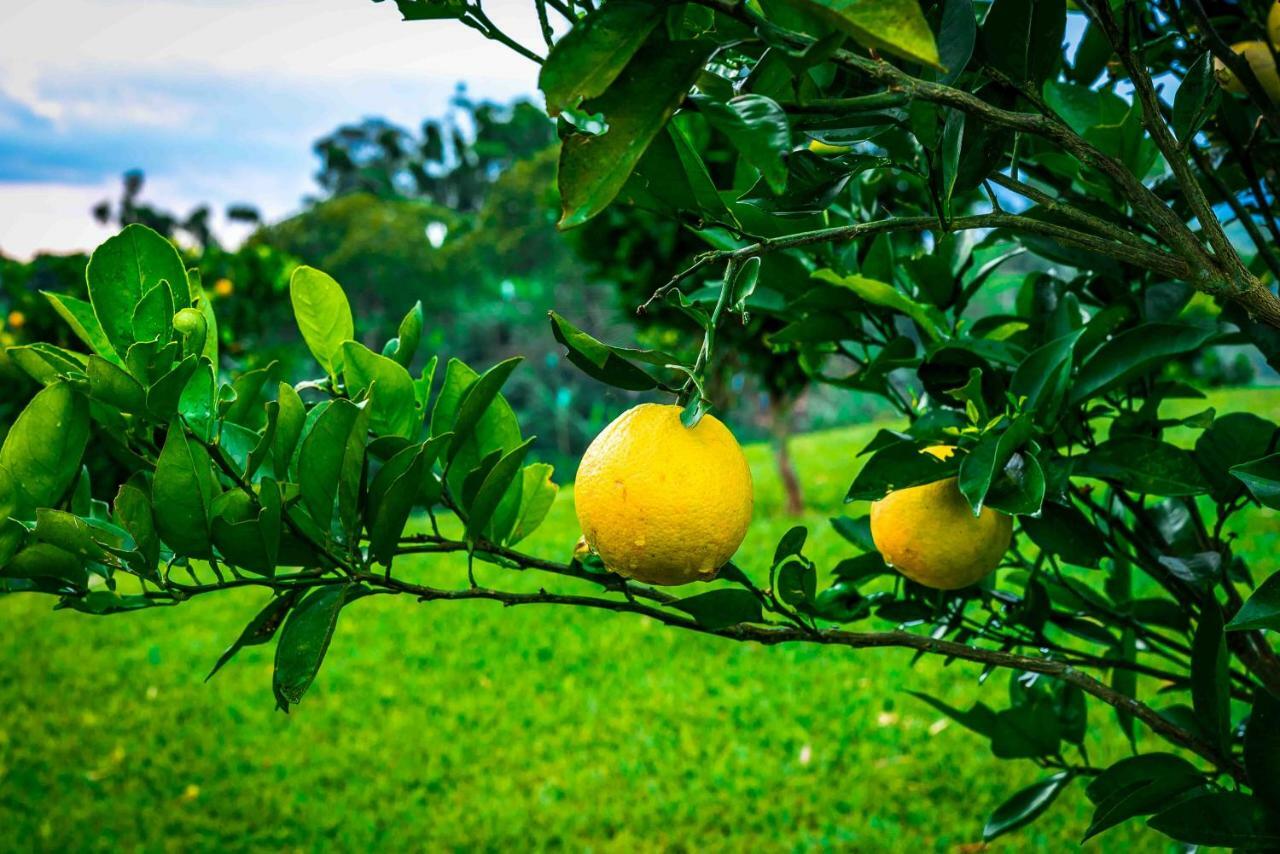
198 402
719 609
957 38
132 511
797 583
42 560
153 316
1025 806
980 718
897 27
1210 681
1024 40
1261 610
323 315
124 268
814 183
1262 748
477 399
183 492
47 364
404 346
304 640
637 105
289 423
1227 819
590 57
1138 785
792 543
330 464
1262 477
42 451
79 315
113 386
247 531
1232 440
1143 464
887 296
898 466
757 127
1197 98
538 492
392 495
393 403
261 628
1133 353
856 531
1041 378
979 467
1064 531
504 474
611 365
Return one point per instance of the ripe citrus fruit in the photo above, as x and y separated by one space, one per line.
930 535
224 288
817 146
660 502
1273 24
1258 55
17 320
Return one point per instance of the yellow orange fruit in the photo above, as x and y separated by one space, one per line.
930 535
1261 61
224 288
660 502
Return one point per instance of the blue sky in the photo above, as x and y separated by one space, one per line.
217 100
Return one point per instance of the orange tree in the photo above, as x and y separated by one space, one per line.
1093 560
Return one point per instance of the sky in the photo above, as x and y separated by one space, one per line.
218 101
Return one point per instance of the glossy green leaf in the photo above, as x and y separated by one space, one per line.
132 511
1197 98
898 466
1025 806
1041 378
1024 39
476 402
887 296
153 316
1064 531
637 105
330 464
393 404
79 315
404 346
1262 478
957 38
502 477
979 467
42 451
897 27
537 494
323 315
757 127
1139 785
122 270
113 386
289 423
392 494
590 57
1232 440
1134 352
183 492
304 640
1261 610
611 365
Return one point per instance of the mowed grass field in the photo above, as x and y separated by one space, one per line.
466 726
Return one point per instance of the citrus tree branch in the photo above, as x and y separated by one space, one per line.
767 635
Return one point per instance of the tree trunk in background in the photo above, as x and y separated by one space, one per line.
780 433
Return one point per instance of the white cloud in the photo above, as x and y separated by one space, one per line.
41 216
279 40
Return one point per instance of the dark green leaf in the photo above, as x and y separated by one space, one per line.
719 609
261 628
898 466
599 361
758 128
1025 806
1234 439
1024 39
497 482
330 462
183 493
1134 352
979 467
1262 477
1042 376
304 640
1142 464
1262 748
980 719
957 38
856 531
1261 610
792 543
1064 531
1210 681
393 403
1228 819
289 422
1197 98
797 583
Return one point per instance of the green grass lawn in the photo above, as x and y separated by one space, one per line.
469 726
